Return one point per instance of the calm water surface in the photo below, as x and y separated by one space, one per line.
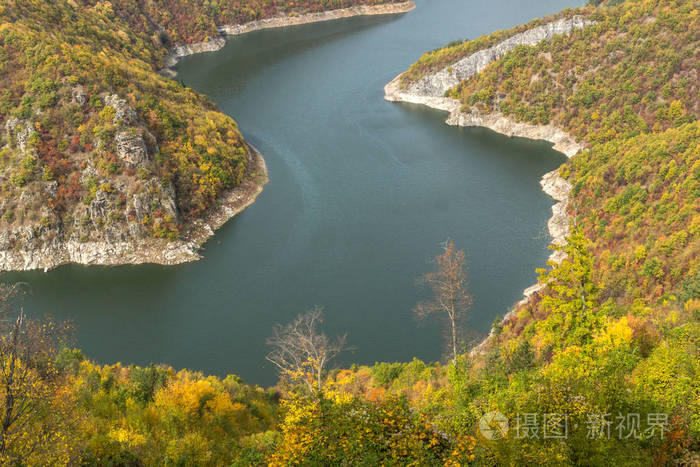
362 192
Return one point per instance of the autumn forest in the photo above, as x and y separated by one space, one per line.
600 365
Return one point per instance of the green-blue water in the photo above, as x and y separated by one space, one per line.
362 193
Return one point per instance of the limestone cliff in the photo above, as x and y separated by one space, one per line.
29 247
437 84
430 90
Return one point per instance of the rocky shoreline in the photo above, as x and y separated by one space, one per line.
150 250
217 43
562 141
430 91
552 183
59 251
435 84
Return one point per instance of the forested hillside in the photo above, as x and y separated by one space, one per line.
187 21
97 145
98 149
633 71
616 329
599 367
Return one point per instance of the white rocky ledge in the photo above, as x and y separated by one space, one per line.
437 84
143 250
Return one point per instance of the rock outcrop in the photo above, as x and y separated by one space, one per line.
563 142
115 222
179 51
123 113
558 225
430 90
360 10
30 247
78 95
131 148
20 131
437 84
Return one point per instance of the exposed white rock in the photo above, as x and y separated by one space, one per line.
563 142
78 95
11 124
87 173
131 148
559 189
25 249
99 206
284 21
23 136
52 255
438 83
123 113
23 131
528 293
430 90
179 51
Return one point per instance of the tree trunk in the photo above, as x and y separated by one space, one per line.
319 374
9 396
454 339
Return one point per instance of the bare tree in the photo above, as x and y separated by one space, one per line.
448 283
301 352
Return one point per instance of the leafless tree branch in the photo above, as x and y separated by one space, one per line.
301 352
450 298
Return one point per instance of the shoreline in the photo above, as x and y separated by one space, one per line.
217 43
430 91
147 250
233 201
552 184
185 249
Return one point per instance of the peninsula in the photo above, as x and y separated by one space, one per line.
106 161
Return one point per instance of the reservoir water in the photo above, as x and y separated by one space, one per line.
362 193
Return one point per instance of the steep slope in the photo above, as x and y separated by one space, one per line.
599 366
612 329
102 157
104 161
